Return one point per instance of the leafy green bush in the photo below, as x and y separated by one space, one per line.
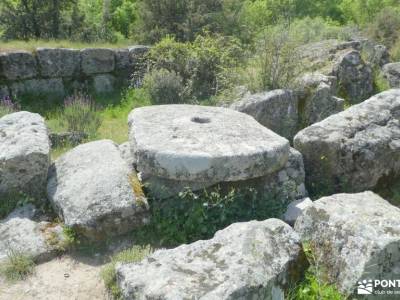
17 266
81 115
182 19
193 216
276 63
201 64
132 255
165 87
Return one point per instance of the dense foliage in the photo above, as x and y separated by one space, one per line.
193 216
151 20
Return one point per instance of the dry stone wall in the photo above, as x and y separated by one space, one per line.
56 72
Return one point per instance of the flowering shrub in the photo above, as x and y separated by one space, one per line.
81 114
7 106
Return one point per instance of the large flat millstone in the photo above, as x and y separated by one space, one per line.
198 143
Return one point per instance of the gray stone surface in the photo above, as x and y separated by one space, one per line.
91 188
353 237
97 60
342 60
104 84
317 98
392 73
276 110
253 260
17 65
284 185
352 150
295 209
122 60
355 77
19 233
127 154
45 88
24 154
58 62
198 143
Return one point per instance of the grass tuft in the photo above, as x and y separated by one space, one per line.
17 266
132 255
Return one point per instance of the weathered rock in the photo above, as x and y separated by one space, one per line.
392 73
377 55
58 62
254 260
317 98
282 186
355 78
44 88
295 209
342 60
93 190
353 237
127 154
276 110
97 60
17 65
24 154
174 142
137 53
19 233
138 61
122 60
352 150
104 83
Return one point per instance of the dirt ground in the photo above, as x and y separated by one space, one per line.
63 278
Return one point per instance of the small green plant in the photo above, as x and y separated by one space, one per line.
132 255
380 83
315 285
17 266
81 114
165 87
192 216
70 236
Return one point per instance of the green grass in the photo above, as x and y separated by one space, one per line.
315 285
132 255
31 45
114 111
17 266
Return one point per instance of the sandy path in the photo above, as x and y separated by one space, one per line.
63 278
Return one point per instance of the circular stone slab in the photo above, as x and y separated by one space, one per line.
199 143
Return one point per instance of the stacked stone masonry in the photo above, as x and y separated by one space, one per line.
55 72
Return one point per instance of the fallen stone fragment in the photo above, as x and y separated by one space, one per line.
276 110
24 154
19 234
353 237
254 260
353 150
94 191
295 209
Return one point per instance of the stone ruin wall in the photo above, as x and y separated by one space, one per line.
57 72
